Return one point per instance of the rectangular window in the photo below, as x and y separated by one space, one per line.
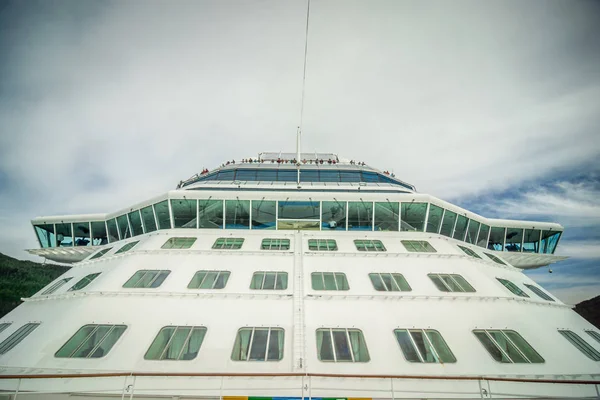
275 244
4 325
322 245
424 345
209 280
55 286
127 247
360 216
64 235
264 280
514 237
539 292
469 252
264 214
434 219
496 241
100 253
369 245
418 246
46 236
91 341
228 243
593 334
162 214
146 278
387 217
135 221
341 345
495 259
549 241
329 281
113 231
176 343
184 213
99 236
461 227
333 215
413 216
448 223
387 282
84 282
482 238
451 283
81 232
210 214
16 337
299 210
258 344
237 214
576 341
123 225
148 219
179 243
507 346
531 241
472 232
512 287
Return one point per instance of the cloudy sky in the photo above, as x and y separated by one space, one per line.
493 105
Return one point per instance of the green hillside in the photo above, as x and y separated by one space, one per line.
23 279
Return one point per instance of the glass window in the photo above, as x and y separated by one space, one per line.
209 280
496 241
275 244
297 224
264 280
413 216
64 235
16 337
309 175
258 344
322 245
451 283
387 282
333 215
482 238
512 287
461 227
100 253
424 345
91 341
290 175
418 246
448 223
266 175
575 340
472 232
99 236
549 241
55 286
162 214
495 259
531 241
184 213
350 176
113 231
226 175
148 219
127 247
369 245
434 219
593 334
329 176
210 214
245 175
507 346
469 252
86 280
46 236
81 231
179 243
135 221
514 237
369 177
147 278
228 243
237 214
123 225
176 343
386 216
329 281
539 292
299 210
360 216
4 325
264 214
341 345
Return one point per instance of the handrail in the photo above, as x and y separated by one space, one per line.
295 374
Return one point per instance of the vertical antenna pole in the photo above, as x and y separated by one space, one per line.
302 100
298 154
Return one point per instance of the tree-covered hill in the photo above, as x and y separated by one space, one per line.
23 279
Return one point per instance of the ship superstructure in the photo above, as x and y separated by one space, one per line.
297 276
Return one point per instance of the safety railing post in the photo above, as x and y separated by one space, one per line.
392 387
17 389
132 387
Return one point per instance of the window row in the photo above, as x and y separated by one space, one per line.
305 215
278 280
178 343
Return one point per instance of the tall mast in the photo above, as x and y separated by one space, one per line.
302 100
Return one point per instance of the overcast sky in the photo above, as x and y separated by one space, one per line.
492 105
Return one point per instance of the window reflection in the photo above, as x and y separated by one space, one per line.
531 241
113 232
514 237
237 214
81 231
482 238
99 236
448 223
263 214
472 231
549 241
135 221
184 213
46 236
333 215
148 219
461 227
387 216
64 235
360 215
496 241
210 214
434 219
162 215
413 216
123 225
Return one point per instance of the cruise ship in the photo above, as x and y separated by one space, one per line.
296 276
